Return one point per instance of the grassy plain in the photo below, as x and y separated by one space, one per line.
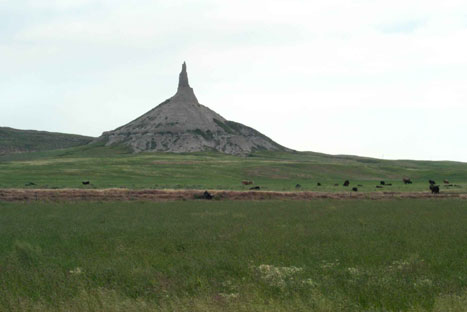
117 167
320 255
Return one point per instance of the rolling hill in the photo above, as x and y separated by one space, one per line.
21 141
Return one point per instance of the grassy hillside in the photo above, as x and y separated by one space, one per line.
324 255
117 167
19 141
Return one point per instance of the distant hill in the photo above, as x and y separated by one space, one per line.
21 141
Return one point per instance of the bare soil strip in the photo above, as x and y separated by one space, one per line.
118 194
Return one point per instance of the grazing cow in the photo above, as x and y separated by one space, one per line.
382 182
298 186
86 182
446 181
407 181
388 184
346 183
30 184
354 189
207 195
246 182
318 184
379 186
255 188
434 189
431 182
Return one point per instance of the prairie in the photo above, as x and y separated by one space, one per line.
318 255
117 168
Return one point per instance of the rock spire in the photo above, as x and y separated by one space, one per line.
183 78
182 125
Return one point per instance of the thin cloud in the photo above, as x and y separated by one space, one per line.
321 76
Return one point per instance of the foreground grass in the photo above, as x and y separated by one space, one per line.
323 255
116 167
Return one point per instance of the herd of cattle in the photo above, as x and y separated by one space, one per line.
432 185
206 195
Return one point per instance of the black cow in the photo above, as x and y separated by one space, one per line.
354 189
86 182
388 184
346 183
318 184
298 186
379 186
255 188
407 181
431 182
30 184
434 189
382 182
207 195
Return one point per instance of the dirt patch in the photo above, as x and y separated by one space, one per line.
165 195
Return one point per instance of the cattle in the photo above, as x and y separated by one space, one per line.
30 184
434 189
382 182
360 185
298 186
431 182
388 184
407 181
207 195
318 184
86 182
246 182
354 189
446 181
255 188
346 183
379 186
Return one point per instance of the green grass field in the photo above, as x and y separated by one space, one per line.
321 255
116 167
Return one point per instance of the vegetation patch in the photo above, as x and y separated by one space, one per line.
224 126
325 255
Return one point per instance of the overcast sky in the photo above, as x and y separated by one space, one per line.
385 79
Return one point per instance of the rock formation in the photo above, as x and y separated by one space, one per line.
180 124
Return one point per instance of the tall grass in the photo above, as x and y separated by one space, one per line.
323 255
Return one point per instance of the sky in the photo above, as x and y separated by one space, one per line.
385 79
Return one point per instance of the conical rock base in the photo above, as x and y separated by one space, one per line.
180 124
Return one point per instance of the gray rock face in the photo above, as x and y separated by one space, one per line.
180 124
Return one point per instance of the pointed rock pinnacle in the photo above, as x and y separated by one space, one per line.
182 125
183 78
